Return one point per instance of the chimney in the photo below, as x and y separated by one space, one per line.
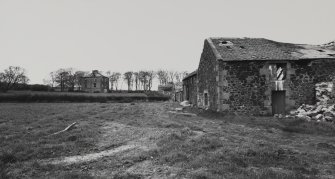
94 72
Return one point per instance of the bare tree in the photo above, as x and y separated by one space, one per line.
128 77
52 79
136 80
66 78
61 78
162 77
114 79
78 78
172 76
180 76
143 79
150 75
71 78
11 77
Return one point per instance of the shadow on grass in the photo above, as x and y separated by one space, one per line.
291 125
209 157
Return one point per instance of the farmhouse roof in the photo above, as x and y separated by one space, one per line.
242 49
95 73
190 75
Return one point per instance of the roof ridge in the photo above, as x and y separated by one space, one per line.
215 51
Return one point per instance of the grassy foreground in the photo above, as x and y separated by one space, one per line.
166 145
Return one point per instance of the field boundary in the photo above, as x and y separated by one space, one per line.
44 97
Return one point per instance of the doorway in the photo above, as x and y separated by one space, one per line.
278 102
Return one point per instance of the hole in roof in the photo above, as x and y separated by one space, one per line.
332 55
242 47
321 50
226 43
228 47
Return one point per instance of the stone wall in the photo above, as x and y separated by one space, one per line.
307 75
246 86
190 89
241 87
207 78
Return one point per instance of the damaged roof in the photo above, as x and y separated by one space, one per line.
330 45
241 49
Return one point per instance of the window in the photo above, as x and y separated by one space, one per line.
206 99
94 85
278 71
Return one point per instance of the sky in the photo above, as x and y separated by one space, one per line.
121 35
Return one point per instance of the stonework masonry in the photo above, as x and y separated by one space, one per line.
207 72
246 86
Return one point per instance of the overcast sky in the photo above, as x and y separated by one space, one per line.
45 35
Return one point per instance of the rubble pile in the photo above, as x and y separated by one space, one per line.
324 110
317 113
185 104
324 92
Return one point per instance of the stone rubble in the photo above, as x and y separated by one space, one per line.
319 113
323 111
185 104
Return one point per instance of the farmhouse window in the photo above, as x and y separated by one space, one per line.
94 85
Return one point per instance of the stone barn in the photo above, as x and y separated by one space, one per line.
95 83
260 76
190 88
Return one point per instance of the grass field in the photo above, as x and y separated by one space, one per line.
40 96
144 140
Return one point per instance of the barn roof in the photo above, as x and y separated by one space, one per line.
242 49
190 75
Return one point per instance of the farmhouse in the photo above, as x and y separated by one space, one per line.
95 83
259 76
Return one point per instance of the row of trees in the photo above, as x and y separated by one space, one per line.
142 80
65 78
69 78
139 80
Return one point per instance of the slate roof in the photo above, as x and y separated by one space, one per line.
242 49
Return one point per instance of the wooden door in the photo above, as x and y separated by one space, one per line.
278 102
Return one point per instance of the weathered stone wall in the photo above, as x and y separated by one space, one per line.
307 75
246 86
190 89
242 87
207 78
